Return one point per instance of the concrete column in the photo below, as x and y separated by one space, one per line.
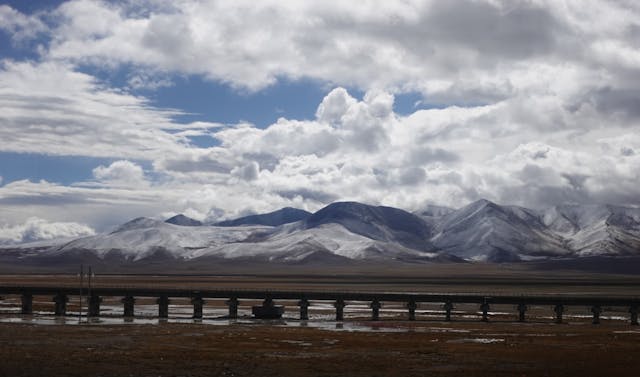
60 300
522 309
485 311
304 309
27 303
559 310
163 306
633 315
233 307
339 305
198 303
94 305
448 306
596 310
129 302
412 306
375 310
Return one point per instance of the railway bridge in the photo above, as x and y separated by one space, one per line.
163 296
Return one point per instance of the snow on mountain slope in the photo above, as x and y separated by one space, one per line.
597 229
380 223
183 221
486 231
481 231
282 216
141 237
294 245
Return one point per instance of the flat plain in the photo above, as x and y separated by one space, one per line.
391 346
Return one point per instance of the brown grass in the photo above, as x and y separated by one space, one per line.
262 350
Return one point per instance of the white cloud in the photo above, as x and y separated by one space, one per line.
470 52
121 173
49 108
18 25
539 103
36 229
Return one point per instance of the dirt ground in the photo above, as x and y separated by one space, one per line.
422 349
391 347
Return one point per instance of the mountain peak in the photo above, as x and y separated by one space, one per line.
137 223
183 220
276 218
375 222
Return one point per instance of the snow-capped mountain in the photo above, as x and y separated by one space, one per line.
385 224
282 216
142 237
350 231
596 229
486 231
183 220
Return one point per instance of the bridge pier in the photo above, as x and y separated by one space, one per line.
448 307
94 305
596 310
633 315
485 307
339 305
375 310
559 310
60 300
233 307
27 303
412 306
129 302
522 309
197 303
163 306
304 309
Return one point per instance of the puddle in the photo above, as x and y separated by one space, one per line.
477 340
297 342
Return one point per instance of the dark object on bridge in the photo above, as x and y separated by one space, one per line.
94 305
60 301
163 306
129 302
267 310
27 303
596 310
522 309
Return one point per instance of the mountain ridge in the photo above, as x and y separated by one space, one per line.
482 231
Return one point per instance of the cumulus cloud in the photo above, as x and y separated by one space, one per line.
537 105
470 52
36 229
121 173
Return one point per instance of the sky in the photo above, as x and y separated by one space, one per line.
112 110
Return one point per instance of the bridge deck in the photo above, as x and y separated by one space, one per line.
324 295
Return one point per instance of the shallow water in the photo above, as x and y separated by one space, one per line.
321 315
